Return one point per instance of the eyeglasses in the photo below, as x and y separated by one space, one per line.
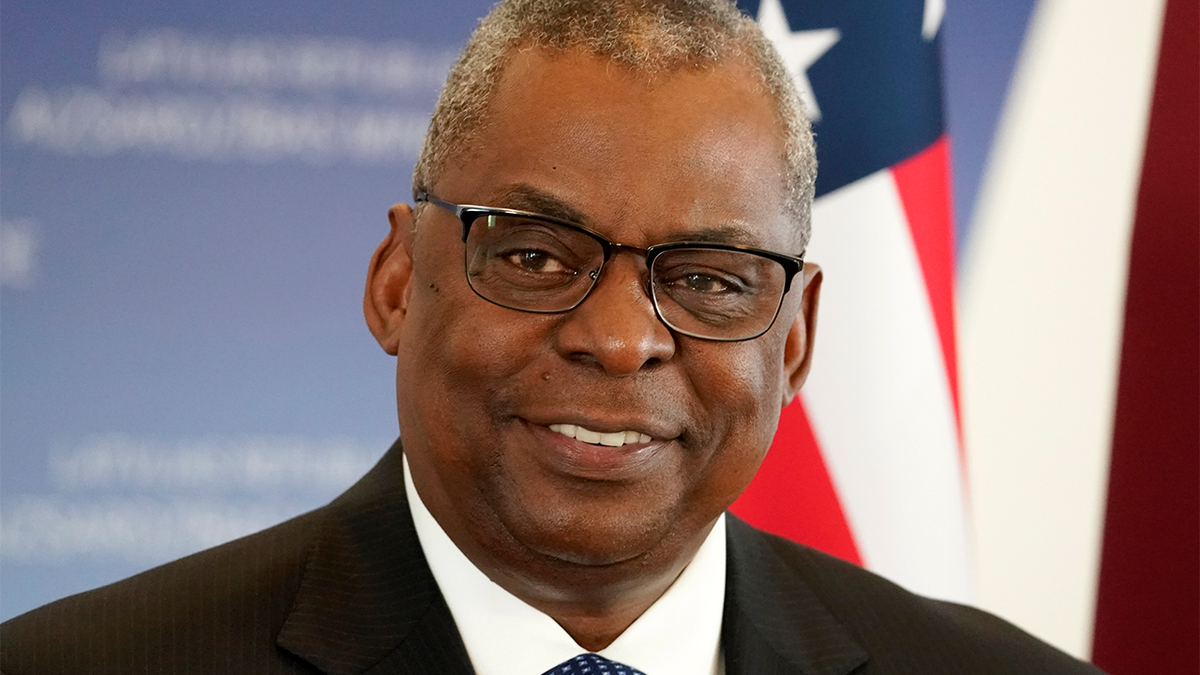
535 263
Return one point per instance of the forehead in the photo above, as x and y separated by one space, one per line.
635 156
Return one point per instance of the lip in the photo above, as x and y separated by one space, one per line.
657 430
575 458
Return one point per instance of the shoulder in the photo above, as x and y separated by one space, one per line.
228 609
900 631
186 611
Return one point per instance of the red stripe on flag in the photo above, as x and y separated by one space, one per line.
793 496
1148 604
923 182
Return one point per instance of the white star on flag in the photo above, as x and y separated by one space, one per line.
935 11
799 49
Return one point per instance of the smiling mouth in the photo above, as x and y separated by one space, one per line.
615 439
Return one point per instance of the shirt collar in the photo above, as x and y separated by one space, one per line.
679 633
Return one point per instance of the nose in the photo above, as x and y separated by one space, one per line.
616 328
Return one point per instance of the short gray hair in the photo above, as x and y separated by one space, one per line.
647 36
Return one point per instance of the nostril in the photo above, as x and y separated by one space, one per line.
651 363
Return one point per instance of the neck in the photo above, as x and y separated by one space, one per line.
593 604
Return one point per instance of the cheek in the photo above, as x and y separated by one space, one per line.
743 395
460 351
743 378
454 359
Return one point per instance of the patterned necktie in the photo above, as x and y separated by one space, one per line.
592 664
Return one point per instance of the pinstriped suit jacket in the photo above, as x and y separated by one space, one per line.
346 589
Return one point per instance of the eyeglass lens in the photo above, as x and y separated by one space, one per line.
541 266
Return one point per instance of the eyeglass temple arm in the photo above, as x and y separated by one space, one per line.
424 196
787 282
459 211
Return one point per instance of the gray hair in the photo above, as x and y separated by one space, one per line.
649 37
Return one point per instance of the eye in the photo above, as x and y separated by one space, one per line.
701 282
533 260
697 282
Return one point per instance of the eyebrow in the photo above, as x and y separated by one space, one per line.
720 234
525 197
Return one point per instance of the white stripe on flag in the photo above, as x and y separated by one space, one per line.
1042 297
878 396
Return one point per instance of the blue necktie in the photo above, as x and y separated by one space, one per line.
592 664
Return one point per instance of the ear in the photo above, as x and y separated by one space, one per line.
389 280
797 351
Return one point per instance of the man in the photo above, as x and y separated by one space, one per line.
598 306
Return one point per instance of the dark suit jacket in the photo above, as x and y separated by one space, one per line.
346 589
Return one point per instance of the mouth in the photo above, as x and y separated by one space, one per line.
614 454
614 439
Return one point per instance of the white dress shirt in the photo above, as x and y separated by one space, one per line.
680 634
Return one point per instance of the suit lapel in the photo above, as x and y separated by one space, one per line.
773 622
368 602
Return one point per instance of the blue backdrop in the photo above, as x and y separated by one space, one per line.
189 195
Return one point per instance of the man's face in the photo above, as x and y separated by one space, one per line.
479 387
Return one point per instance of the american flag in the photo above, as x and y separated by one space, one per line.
867 462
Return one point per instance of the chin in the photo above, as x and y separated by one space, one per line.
592 537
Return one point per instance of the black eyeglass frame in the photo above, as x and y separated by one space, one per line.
467 214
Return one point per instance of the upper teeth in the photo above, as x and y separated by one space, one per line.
615 439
